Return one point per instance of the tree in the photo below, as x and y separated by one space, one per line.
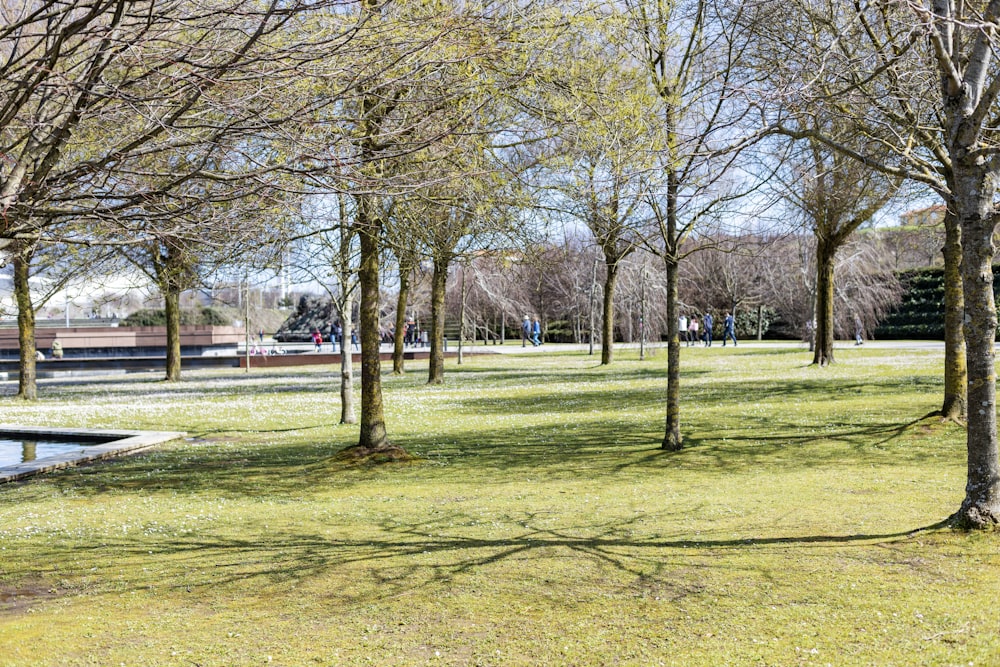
190 95
691 52
921 78
437 55
606 150
835 195
327 253
896 107
461 216
866 285
40 270
404 247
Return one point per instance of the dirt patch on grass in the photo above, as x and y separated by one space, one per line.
365 456
18 599
358 455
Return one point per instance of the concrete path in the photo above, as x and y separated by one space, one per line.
511 348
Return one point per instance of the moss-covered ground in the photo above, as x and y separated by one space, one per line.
540 525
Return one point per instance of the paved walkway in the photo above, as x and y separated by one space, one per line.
512 348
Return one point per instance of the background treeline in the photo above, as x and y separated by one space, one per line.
769 277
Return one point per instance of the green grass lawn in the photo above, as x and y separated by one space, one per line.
541 525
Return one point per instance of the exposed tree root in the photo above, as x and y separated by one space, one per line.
358 455
971 518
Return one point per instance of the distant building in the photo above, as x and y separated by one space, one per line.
924 217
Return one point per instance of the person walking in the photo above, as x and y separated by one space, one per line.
707 322
729 329
682 329
536 333
693 331
525 331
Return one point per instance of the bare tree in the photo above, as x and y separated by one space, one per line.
836 195
692 53
327 253
920 77
126 113
439 55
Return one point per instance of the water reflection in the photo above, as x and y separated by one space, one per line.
16 450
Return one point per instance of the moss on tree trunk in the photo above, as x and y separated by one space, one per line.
981 506
823 351
399 335
955 404
439 281
27 383
672 432
172 309
608 316
372 435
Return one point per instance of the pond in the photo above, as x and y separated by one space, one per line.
16 450
30 450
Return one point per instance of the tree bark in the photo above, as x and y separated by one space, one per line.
955 405
825 254
172 310
672 433
981 506
373 434
608 317
438 285
27 383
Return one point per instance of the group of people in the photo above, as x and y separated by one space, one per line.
691 331
531 330
414 336
336 336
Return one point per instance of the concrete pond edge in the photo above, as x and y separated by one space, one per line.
113 443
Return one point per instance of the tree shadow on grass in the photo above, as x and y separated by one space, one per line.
595 428
195 383
406 557
585 449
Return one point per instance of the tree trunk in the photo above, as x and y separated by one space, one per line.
981 506
672 433
347 414
608 317
438 284
955 404
27 383
172 310
373 431
825 253
399 335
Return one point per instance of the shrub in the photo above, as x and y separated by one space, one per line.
157 317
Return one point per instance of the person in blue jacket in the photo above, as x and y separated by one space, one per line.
728 329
